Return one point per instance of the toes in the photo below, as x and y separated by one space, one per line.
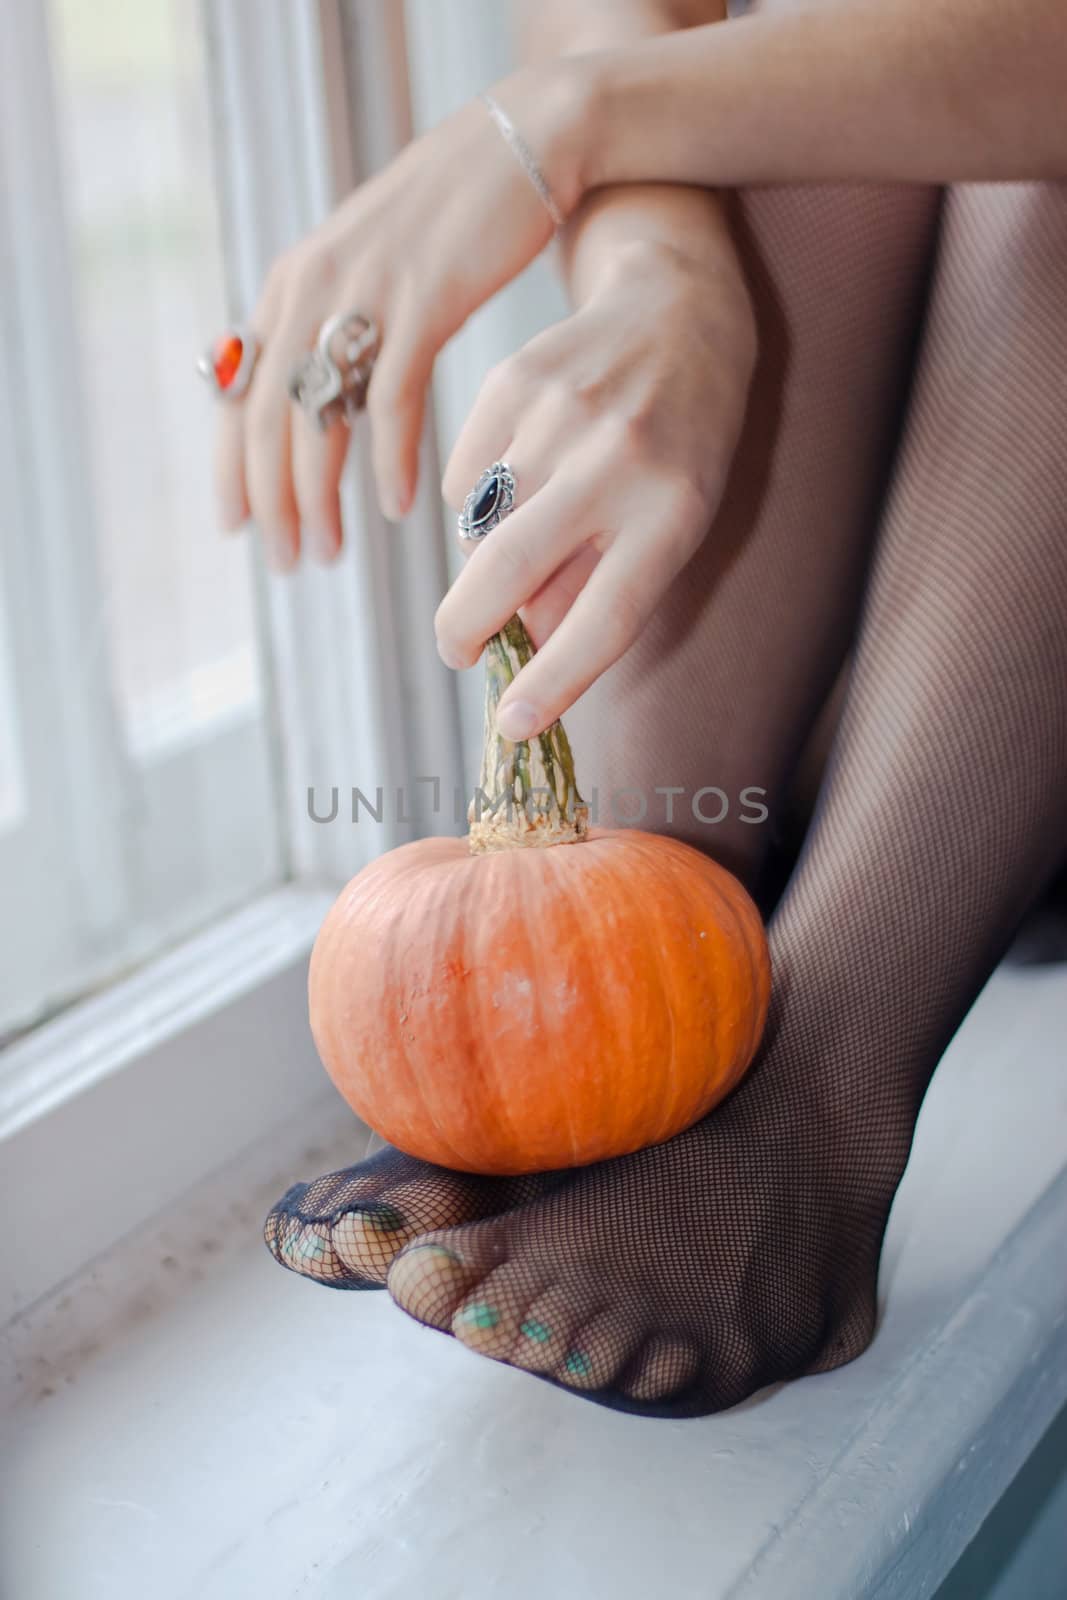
664 1366
543 1340
501 1317
370 1236
429 1281
598 1352
434 1199
300 1229
306 1247
346 1228
488 1318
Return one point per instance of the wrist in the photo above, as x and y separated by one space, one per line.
553 107
677 230
600 89
658 266
707 287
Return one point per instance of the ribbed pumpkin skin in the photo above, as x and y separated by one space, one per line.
537 1008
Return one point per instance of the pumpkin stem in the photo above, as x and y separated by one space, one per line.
528 795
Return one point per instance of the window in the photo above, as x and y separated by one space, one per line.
166 708
176 602
136 777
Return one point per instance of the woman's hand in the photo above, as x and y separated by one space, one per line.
416 249
619 425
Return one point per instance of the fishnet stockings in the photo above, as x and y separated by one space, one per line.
679 1280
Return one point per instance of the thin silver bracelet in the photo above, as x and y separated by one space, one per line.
525 157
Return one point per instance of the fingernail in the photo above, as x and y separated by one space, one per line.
449 657
390 505
321 544
517 720
281 556
578 1364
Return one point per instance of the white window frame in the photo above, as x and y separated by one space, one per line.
119 1104
94 811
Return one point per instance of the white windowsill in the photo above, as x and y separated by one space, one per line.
187 1419
130 1098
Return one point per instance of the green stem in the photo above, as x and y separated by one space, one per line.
528 795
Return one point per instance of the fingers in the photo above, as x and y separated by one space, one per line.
510 567
485 437
273 463
396 402
600 626
269 422
269 477
318 461
544 613
231 493
280 468
231 483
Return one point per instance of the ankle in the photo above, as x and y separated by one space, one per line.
845 1086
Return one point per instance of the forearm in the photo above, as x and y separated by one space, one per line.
689 220
910 90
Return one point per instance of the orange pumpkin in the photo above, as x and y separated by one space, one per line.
541 995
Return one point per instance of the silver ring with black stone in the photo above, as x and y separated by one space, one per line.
488 503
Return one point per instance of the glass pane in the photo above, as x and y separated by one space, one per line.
12 794
135 132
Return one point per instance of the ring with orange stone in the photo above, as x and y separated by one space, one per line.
229 362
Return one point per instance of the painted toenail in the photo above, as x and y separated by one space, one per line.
306 1247
437 1250
479 1315
539 1332
379 1216
578 1364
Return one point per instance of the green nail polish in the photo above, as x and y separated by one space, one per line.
306 1247
382 1218
539 1332
578 1364
480 1315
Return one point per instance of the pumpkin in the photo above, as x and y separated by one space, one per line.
543 994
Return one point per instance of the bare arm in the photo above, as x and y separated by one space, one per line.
689 220
911 90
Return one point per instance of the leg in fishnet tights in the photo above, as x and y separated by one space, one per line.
744 1251
724 684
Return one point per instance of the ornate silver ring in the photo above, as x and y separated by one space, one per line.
330 382
228 363
488 503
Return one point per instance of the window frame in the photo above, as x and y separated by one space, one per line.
46 582
94 810
309 101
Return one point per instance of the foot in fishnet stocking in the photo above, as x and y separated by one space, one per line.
702 1268
681 1279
